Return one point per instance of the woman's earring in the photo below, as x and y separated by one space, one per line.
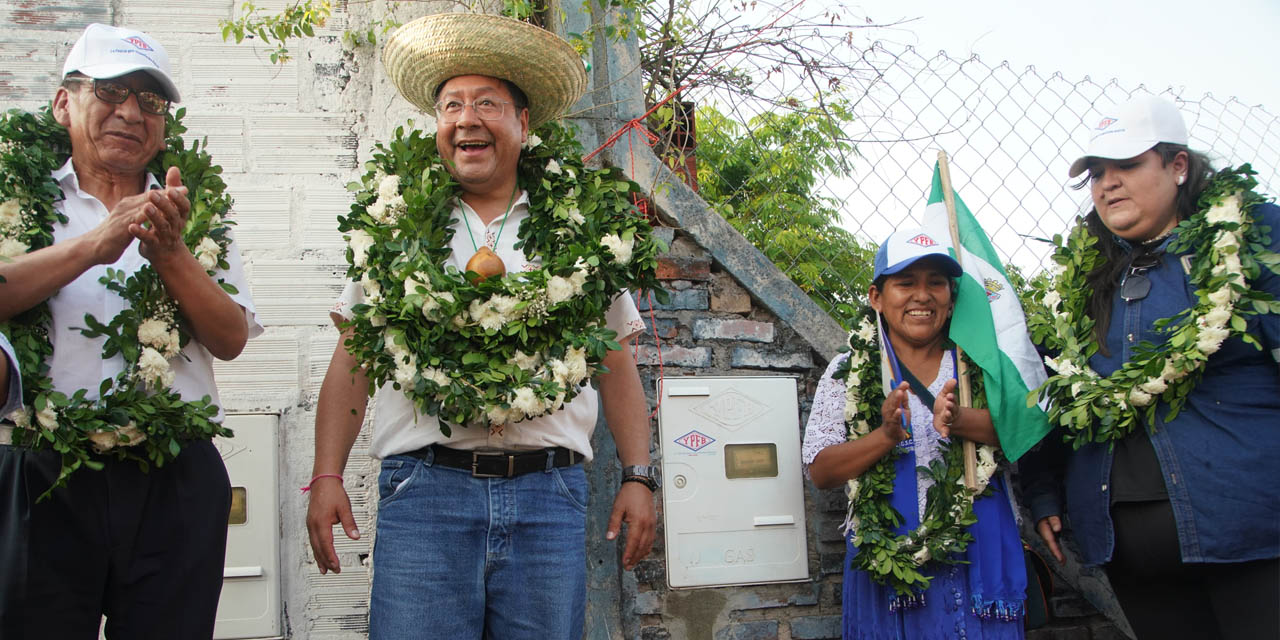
1181 179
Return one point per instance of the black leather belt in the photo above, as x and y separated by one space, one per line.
497 464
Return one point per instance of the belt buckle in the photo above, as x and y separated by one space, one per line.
475 465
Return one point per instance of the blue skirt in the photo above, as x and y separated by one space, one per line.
947 612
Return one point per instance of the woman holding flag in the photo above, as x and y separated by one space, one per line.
1165 334
928 557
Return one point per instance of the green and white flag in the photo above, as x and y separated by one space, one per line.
988 323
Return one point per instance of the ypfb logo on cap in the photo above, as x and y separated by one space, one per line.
1104 123
923 241
138 42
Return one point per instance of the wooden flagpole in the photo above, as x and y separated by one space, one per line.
962 371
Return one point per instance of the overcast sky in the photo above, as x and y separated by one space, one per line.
1225 47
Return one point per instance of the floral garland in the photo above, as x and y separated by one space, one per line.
506 348
890 559
1229 251
136 416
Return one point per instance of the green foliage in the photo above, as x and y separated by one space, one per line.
508 347
275 30
764 178
1227 251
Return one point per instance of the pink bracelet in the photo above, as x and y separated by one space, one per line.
321 475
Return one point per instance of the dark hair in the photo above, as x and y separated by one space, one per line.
518 98
1115 259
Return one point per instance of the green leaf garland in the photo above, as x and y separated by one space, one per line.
504 349
136 416
1229 251
890 559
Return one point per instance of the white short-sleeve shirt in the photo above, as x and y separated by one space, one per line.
398 427
77 361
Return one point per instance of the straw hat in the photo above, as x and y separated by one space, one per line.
424 53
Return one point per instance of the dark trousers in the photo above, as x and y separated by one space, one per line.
1164 598
144 549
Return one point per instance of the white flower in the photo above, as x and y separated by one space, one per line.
986 464
1170 372
866 331
405 372
576 359
378 211
154 333
1154 386
577 279
1218 316
378 320
504 306
437 376
1076 388
1210 340
11 214
498 414
1139 398
526 361
372 289
527 401
412 282
154 369
47 417
1052 299
1231 262
532 141
389 187
359 243
103 441
207 253
621 250
12 248
1221 297
1226 211
21 417
575 216
553 167
920 557
1226 240
559 289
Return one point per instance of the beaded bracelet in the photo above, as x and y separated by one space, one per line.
318 476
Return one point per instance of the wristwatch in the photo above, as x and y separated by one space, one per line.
644 474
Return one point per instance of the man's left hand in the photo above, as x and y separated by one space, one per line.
634 505
166 210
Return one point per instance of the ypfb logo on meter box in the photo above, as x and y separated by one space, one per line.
694 440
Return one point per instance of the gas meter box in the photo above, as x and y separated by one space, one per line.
733 495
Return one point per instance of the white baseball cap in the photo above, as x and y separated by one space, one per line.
104 51
905 246
1132 128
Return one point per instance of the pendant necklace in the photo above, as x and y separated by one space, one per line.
485 263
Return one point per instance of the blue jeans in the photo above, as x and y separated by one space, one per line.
469 558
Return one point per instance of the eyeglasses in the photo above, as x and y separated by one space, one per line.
1136 284
450 111
116 93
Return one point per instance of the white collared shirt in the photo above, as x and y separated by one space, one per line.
77 361
398 427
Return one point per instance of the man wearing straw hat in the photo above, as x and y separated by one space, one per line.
481 527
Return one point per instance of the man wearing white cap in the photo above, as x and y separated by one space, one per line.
142 545
482 519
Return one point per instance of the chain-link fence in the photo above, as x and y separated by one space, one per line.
1010 134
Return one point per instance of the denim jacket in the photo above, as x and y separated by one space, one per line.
1220 456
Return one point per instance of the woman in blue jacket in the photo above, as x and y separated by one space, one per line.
1167 395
